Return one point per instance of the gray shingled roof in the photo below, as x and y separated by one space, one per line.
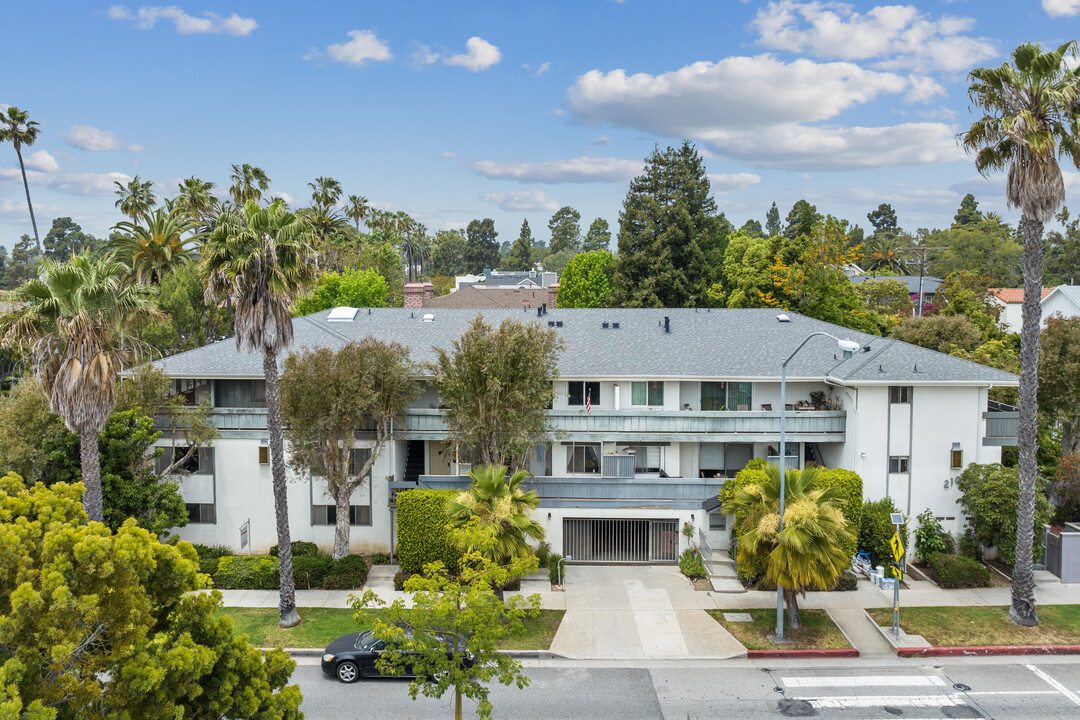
1072 292
930 284
733 344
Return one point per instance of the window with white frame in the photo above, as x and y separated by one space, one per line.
578 390
649 393
898 464
900 395
358 514
583 458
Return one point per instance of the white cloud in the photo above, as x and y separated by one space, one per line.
449 155
522 201
289 199
12 208
88 137
73 183
576 170
479 55
423 55
1061 8
923 89
41 160
544 67
733 92
732 182
210 23
361 47
601 141
895 36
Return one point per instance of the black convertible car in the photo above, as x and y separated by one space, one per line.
353 656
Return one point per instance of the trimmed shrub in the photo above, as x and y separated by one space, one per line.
424 530
300 548
543 553
968 546
876 529
848 581
954 572
347 573
247 572
851 485
380 559
209 556
309 573
399 579
752 474
692 565
553 568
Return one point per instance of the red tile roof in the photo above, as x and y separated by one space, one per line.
1015 295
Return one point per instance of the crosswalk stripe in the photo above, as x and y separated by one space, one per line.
1056 685
859 701
866 681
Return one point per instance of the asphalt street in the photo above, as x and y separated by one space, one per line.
1002 688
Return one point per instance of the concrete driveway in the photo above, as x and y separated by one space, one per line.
638 611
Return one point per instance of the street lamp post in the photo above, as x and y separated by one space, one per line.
848 346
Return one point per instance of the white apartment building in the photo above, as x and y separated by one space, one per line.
679 400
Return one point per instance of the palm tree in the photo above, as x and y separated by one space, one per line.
156 247
358 210
248 184
196 198
135 199
258 260
17 127
325 193
1029 121
502 509
882 254
76 318
808 553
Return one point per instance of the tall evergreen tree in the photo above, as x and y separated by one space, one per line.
968 212
481 246
801 220
772 221
565 227
520 256
598 237
671 239
883 219
23 263
66 238
752 228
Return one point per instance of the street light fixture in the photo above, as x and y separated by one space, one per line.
849 347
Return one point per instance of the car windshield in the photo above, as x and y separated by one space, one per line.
365 640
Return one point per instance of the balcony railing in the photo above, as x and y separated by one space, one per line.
1001 427
681 493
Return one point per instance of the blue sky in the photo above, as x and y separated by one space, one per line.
455 111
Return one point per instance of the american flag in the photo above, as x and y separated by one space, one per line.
588 402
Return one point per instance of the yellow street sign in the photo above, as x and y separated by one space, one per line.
897 547
896 573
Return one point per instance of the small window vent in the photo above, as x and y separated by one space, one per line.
429 317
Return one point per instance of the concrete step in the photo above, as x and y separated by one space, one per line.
724 571
726 584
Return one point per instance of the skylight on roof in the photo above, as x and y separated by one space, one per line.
342 314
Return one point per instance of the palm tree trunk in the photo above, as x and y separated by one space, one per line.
341 523
287 615
1022 611
793 620
26 186
90 463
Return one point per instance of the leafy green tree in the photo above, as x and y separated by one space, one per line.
27 428
66 238
752 228
808 552
356 288
801 220
136 198
990 500
481 246
190 322
500 508
565 227
746 270
1002 354
1062 265
598 237
17 128
587 281
557 262
248 184
772 221
23 263
944 333
876 530
1059 378
259 260
671 239
888 298
454 618
966 294
98 623
77 319
449 255
1029 122
497 384
520 256
884 220
325 396
157 244
968 214
986 248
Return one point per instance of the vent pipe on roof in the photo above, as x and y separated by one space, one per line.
667 324
604 325
614 326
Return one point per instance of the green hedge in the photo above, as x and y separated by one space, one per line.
752 474
424 530
347 573
300 548
691 564
876 529
954 571
309 573
247 572
209 556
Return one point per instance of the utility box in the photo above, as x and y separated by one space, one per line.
1062 552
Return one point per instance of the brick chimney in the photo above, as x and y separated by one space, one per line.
414 295
429 291
553 293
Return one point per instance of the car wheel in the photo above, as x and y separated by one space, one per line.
348 672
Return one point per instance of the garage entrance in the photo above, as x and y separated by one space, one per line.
615 540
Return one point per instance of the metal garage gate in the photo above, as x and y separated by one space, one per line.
613 540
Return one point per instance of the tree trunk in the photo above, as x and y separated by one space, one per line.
341 524
26 186
457 703
90 462
793 620
1022 611
287 615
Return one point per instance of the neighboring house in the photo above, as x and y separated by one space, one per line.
510 279
1063 300
681 400
482 296
930 285
1011 300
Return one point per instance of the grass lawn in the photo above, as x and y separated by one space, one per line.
321 625
818 630
985 625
